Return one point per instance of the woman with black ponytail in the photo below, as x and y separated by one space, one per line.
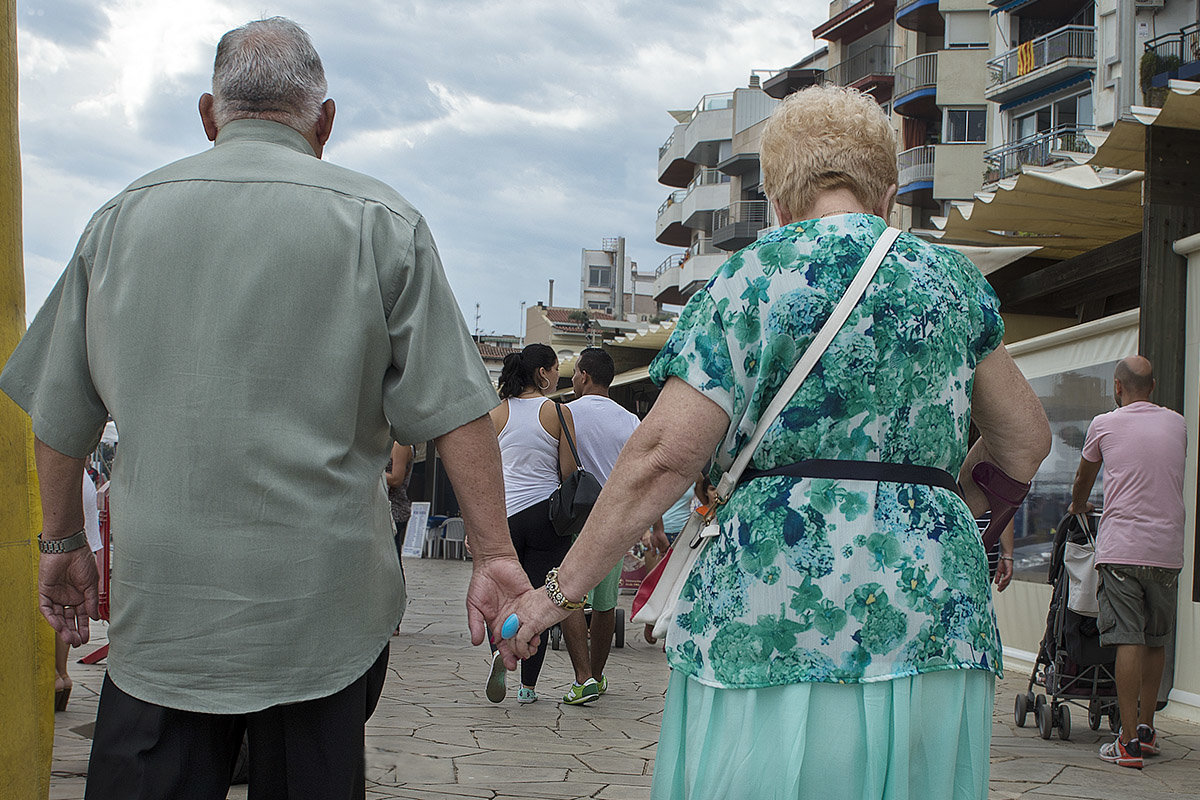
536 458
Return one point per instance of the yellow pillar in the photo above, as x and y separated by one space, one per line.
26 641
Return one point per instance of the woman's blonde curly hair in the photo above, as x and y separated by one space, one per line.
827 137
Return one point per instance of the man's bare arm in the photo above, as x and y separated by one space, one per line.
472 458
1085 479
68 583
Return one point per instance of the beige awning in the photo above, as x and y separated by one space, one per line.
1067 211
649 337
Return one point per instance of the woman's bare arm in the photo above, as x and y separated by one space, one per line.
1014 431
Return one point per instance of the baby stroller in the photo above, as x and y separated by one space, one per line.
1071 665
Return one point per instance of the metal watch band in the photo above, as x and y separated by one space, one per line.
54 546
556 596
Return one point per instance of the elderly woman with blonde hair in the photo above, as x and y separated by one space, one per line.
837 638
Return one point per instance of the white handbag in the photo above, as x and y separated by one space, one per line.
656 601
1082 578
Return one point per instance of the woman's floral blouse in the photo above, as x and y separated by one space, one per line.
833 580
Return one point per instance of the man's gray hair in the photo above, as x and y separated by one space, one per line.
268 69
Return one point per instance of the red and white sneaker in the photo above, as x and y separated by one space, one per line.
1148 737
1121 754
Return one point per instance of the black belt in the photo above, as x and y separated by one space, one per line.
858 471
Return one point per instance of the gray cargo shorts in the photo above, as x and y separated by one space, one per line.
1137 604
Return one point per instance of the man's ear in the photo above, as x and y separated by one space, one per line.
325 122
206 116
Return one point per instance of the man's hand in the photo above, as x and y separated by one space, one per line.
496 583
1086 508
1004 572
68 593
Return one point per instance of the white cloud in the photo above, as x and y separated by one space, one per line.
524 130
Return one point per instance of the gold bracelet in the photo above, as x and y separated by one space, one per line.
556 596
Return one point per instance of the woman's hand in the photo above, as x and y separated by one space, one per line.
537 614
1004 572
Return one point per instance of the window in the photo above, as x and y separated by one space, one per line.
600 276
965 125
966 29
597 305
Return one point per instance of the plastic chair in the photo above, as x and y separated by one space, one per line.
454 533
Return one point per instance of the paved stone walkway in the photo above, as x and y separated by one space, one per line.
435 736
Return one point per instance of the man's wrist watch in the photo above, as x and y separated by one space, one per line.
556 596
55 546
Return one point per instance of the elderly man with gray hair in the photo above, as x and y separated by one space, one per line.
261 325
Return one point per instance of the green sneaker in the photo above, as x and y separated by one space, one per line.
603 684
526 695
579 695
495 683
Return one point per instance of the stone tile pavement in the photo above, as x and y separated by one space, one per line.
435 736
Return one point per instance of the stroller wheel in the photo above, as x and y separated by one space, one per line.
1044 715
1021 710
555 637
1064 722
1094 715
1114 720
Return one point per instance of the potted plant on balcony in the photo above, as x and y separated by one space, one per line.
1151 66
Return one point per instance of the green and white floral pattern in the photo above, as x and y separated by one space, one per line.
824 580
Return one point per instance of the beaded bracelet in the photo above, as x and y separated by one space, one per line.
556 596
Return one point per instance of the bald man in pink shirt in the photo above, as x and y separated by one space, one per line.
1139 550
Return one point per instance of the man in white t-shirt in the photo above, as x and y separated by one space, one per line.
601 429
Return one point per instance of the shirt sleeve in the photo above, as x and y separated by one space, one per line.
437 381
984 304
1091 444
698 353
48 375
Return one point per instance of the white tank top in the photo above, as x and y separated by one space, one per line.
529 455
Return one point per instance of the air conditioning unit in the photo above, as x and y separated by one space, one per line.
1148 3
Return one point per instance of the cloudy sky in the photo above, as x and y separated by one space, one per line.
524 130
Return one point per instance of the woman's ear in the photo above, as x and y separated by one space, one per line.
884 208
782 214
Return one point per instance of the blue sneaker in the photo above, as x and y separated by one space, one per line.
526 695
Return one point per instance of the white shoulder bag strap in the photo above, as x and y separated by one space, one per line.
812 355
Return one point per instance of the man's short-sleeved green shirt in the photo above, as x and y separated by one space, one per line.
260 324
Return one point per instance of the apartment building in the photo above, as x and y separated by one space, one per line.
717 206
600 283
1065 68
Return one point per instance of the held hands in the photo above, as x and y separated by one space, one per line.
496 585
537 614
69 593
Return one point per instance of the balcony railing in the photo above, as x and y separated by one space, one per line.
703 246
1179 47
916 73
1038 150
670 262
1070 41
708 176
916 164
713 102
751 211
875 60
673 198
662 151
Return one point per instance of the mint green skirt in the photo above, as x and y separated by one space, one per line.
921 738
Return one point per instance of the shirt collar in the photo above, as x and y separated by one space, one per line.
264 130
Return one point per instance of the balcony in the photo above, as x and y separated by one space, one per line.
915 94
1044 64
668 228
708 191
666 280
710 124
738 225
673 168
1173 55
916 175
700 264
1039 150
922 16
855 20
870 71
